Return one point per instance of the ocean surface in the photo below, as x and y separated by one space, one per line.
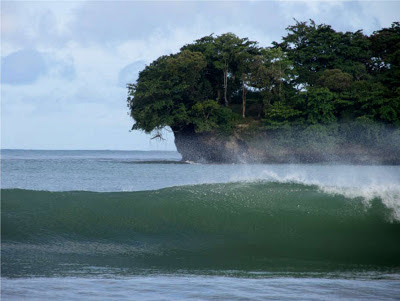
130 225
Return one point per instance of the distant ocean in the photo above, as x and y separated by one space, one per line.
133 225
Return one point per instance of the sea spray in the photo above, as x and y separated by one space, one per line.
387 190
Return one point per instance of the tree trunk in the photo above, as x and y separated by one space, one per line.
225 86
280 78
244 98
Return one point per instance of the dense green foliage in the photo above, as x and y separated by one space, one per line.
315 76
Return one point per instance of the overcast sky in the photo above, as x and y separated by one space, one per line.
64 65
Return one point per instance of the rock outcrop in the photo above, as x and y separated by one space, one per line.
240 147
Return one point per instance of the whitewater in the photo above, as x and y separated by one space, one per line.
115 224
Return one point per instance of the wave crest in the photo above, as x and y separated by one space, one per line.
232 225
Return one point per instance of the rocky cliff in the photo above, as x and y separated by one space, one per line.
264 147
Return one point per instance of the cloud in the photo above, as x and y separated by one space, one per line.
72 126
66 63
130 73
53 114
36 24
26 66
64 70
22 67
112 23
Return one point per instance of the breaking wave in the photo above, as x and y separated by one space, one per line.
242 225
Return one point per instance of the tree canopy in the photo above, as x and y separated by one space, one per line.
315 75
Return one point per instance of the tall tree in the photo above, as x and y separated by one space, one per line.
269 70
315 48
166 90
385 62
314 76
244 55
229 48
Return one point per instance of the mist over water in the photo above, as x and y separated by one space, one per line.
357 142
134 171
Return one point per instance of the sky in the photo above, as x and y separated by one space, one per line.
65 64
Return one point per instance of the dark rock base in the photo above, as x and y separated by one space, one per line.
261 148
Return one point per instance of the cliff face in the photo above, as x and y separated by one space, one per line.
210 148
240 147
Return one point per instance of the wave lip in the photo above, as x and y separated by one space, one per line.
254 225
388 193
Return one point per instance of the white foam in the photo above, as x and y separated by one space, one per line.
388 194
367 186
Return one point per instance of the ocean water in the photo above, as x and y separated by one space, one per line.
116 225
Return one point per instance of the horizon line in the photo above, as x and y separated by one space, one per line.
110 150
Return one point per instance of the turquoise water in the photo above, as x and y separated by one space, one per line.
111 225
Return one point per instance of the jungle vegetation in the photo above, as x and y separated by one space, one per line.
315 76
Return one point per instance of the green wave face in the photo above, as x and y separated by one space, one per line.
251 226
